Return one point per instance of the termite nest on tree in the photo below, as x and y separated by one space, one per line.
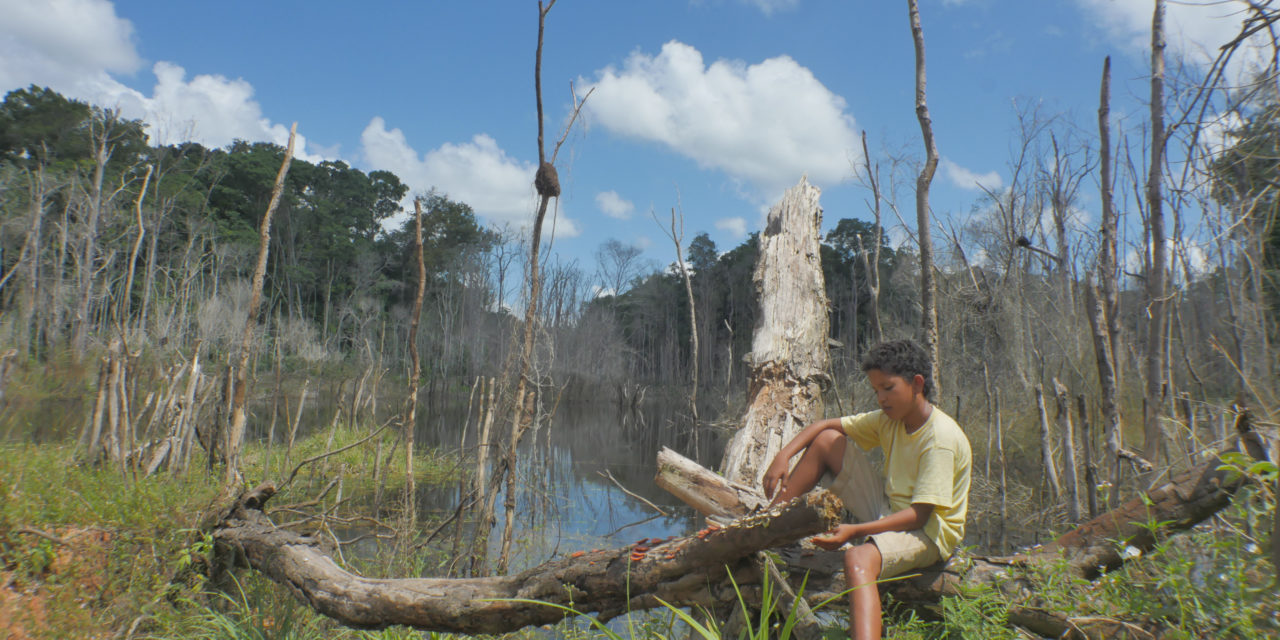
547 181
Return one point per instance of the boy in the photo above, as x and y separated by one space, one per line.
914 516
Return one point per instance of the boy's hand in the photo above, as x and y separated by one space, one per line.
832 539
775 477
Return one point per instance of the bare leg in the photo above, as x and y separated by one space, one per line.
825 453
861 570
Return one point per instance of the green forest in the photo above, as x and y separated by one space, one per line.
399 380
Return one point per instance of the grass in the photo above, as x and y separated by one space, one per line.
91 552
128 555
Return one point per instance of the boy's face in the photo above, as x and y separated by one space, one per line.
896 395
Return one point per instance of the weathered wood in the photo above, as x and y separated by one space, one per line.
1067 431
704 490
789 354
1046 448
683 571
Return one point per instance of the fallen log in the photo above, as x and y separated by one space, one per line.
685 571
1095 547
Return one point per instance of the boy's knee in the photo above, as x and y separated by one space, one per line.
830 447
862 563
829 441
829 437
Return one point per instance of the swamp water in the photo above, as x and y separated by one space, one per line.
566 495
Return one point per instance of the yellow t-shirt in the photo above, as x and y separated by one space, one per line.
929 466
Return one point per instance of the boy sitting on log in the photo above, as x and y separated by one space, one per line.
911 518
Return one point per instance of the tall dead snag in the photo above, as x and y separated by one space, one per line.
415 369
547 183
677 237
872 262
1103 307
234 433
688 571
1154 409
126 299
789 356
928 289
102 150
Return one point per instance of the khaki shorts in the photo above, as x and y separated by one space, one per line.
861 488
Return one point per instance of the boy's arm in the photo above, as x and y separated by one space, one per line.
778 468
909 519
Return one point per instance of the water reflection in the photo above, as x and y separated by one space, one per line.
565 502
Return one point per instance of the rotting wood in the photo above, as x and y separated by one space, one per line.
684 571
710 494
789 353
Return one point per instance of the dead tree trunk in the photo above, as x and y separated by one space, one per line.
234 434
688 571
1062 406
872 263
415 370
125 300
928 289
677 237
789 356
1153 430
1104 308
1046 448
102 151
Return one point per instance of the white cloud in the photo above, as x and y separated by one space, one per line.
766 123
966 179
498 187
736 226
71 35
614 205
209 109
1193 28
1216 133
1183 256
769 6
73 46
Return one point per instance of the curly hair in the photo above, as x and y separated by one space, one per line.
902 358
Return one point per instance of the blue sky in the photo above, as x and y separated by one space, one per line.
715 105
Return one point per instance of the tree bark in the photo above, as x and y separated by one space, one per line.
789 356
928 288
687 571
